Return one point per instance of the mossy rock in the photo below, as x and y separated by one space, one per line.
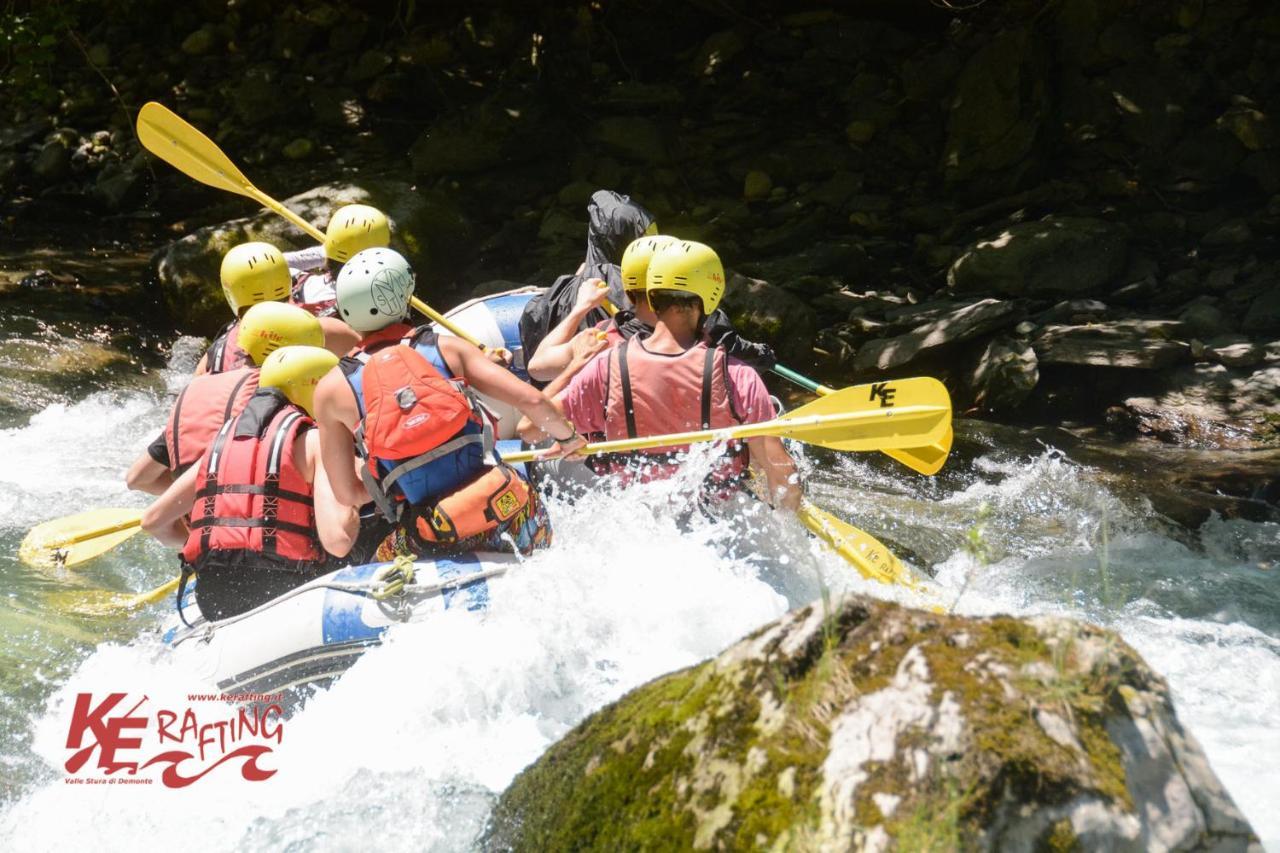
860 724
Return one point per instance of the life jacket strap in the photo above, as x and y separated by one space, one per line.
708 373
245 489
624 376
267 524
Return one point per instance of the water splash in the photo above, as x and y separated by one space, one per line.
411 747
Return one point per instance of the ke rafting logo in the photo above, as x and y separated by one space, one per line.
114 738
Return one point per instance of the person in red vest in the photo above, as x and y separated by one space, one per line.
402 402
672 381
253 273
263 518
211 398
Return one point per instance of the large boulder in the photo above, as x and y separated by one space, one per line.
1144 344
959 324
1207 405
766 313
1065 256
862 725
996 114
426 226
1003 374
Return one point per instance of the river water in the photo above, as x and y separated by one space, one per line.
410 749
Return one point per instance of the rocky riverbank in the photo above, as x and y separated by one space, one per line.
861 725
1069 211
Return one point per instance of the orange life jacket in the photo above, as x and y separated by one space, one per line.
208 401
251 499
655 394
225 353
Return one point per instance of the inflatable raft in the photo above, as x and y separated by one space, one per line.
495 321
312 634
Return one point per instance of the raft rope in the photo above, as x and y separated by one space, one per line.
395 581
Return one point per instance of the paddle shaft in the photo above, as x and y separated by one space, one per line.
95 534
778 426
180 141
318 235
804 382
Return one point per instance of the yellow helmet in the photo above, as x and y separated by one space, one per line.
253 273
268 326
296 371
688 267
353 228
635 260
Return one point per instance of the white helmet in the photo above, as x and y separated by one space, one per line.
374 288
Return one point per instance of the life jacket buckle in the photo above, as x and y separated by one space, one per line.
405 398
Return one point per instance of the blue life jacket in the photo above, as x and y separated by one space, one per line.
423 480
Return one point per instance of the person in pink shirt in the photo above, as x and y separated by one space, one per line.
672 381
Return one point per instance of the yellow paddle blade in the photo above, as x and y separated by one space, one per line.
925 460
168 136
73 539
173 140
898 413
103 603
863 551
902 413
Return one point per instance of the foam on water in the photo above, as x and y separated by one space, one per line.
450 708
409 749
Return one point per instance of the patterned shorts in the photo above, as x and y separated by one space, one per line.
526 532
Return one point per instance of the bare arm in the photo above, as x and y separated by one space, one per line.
336 523
770 457
499 383
164 518
585 345
337 415
339 338
148 475
554 353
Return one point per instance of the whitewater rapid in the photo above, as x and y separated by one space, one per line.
411 747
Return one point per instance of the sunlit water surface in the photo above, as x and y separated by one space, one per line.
410 749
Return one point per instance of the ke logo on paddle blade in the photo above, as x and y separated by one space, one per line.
884 392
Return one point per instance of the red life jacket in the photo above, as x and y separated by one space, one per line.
251 498
201 409
313 291
224 353
655 394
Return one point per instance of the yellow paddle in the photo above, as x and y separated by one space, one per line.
867 554
181 145
925 460
898 413
74 539
101 602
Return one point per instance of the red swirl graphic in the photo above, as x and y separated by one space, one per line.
250 770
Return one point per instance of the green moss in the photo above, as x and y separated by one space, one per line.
605 811
1060 838
623 780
